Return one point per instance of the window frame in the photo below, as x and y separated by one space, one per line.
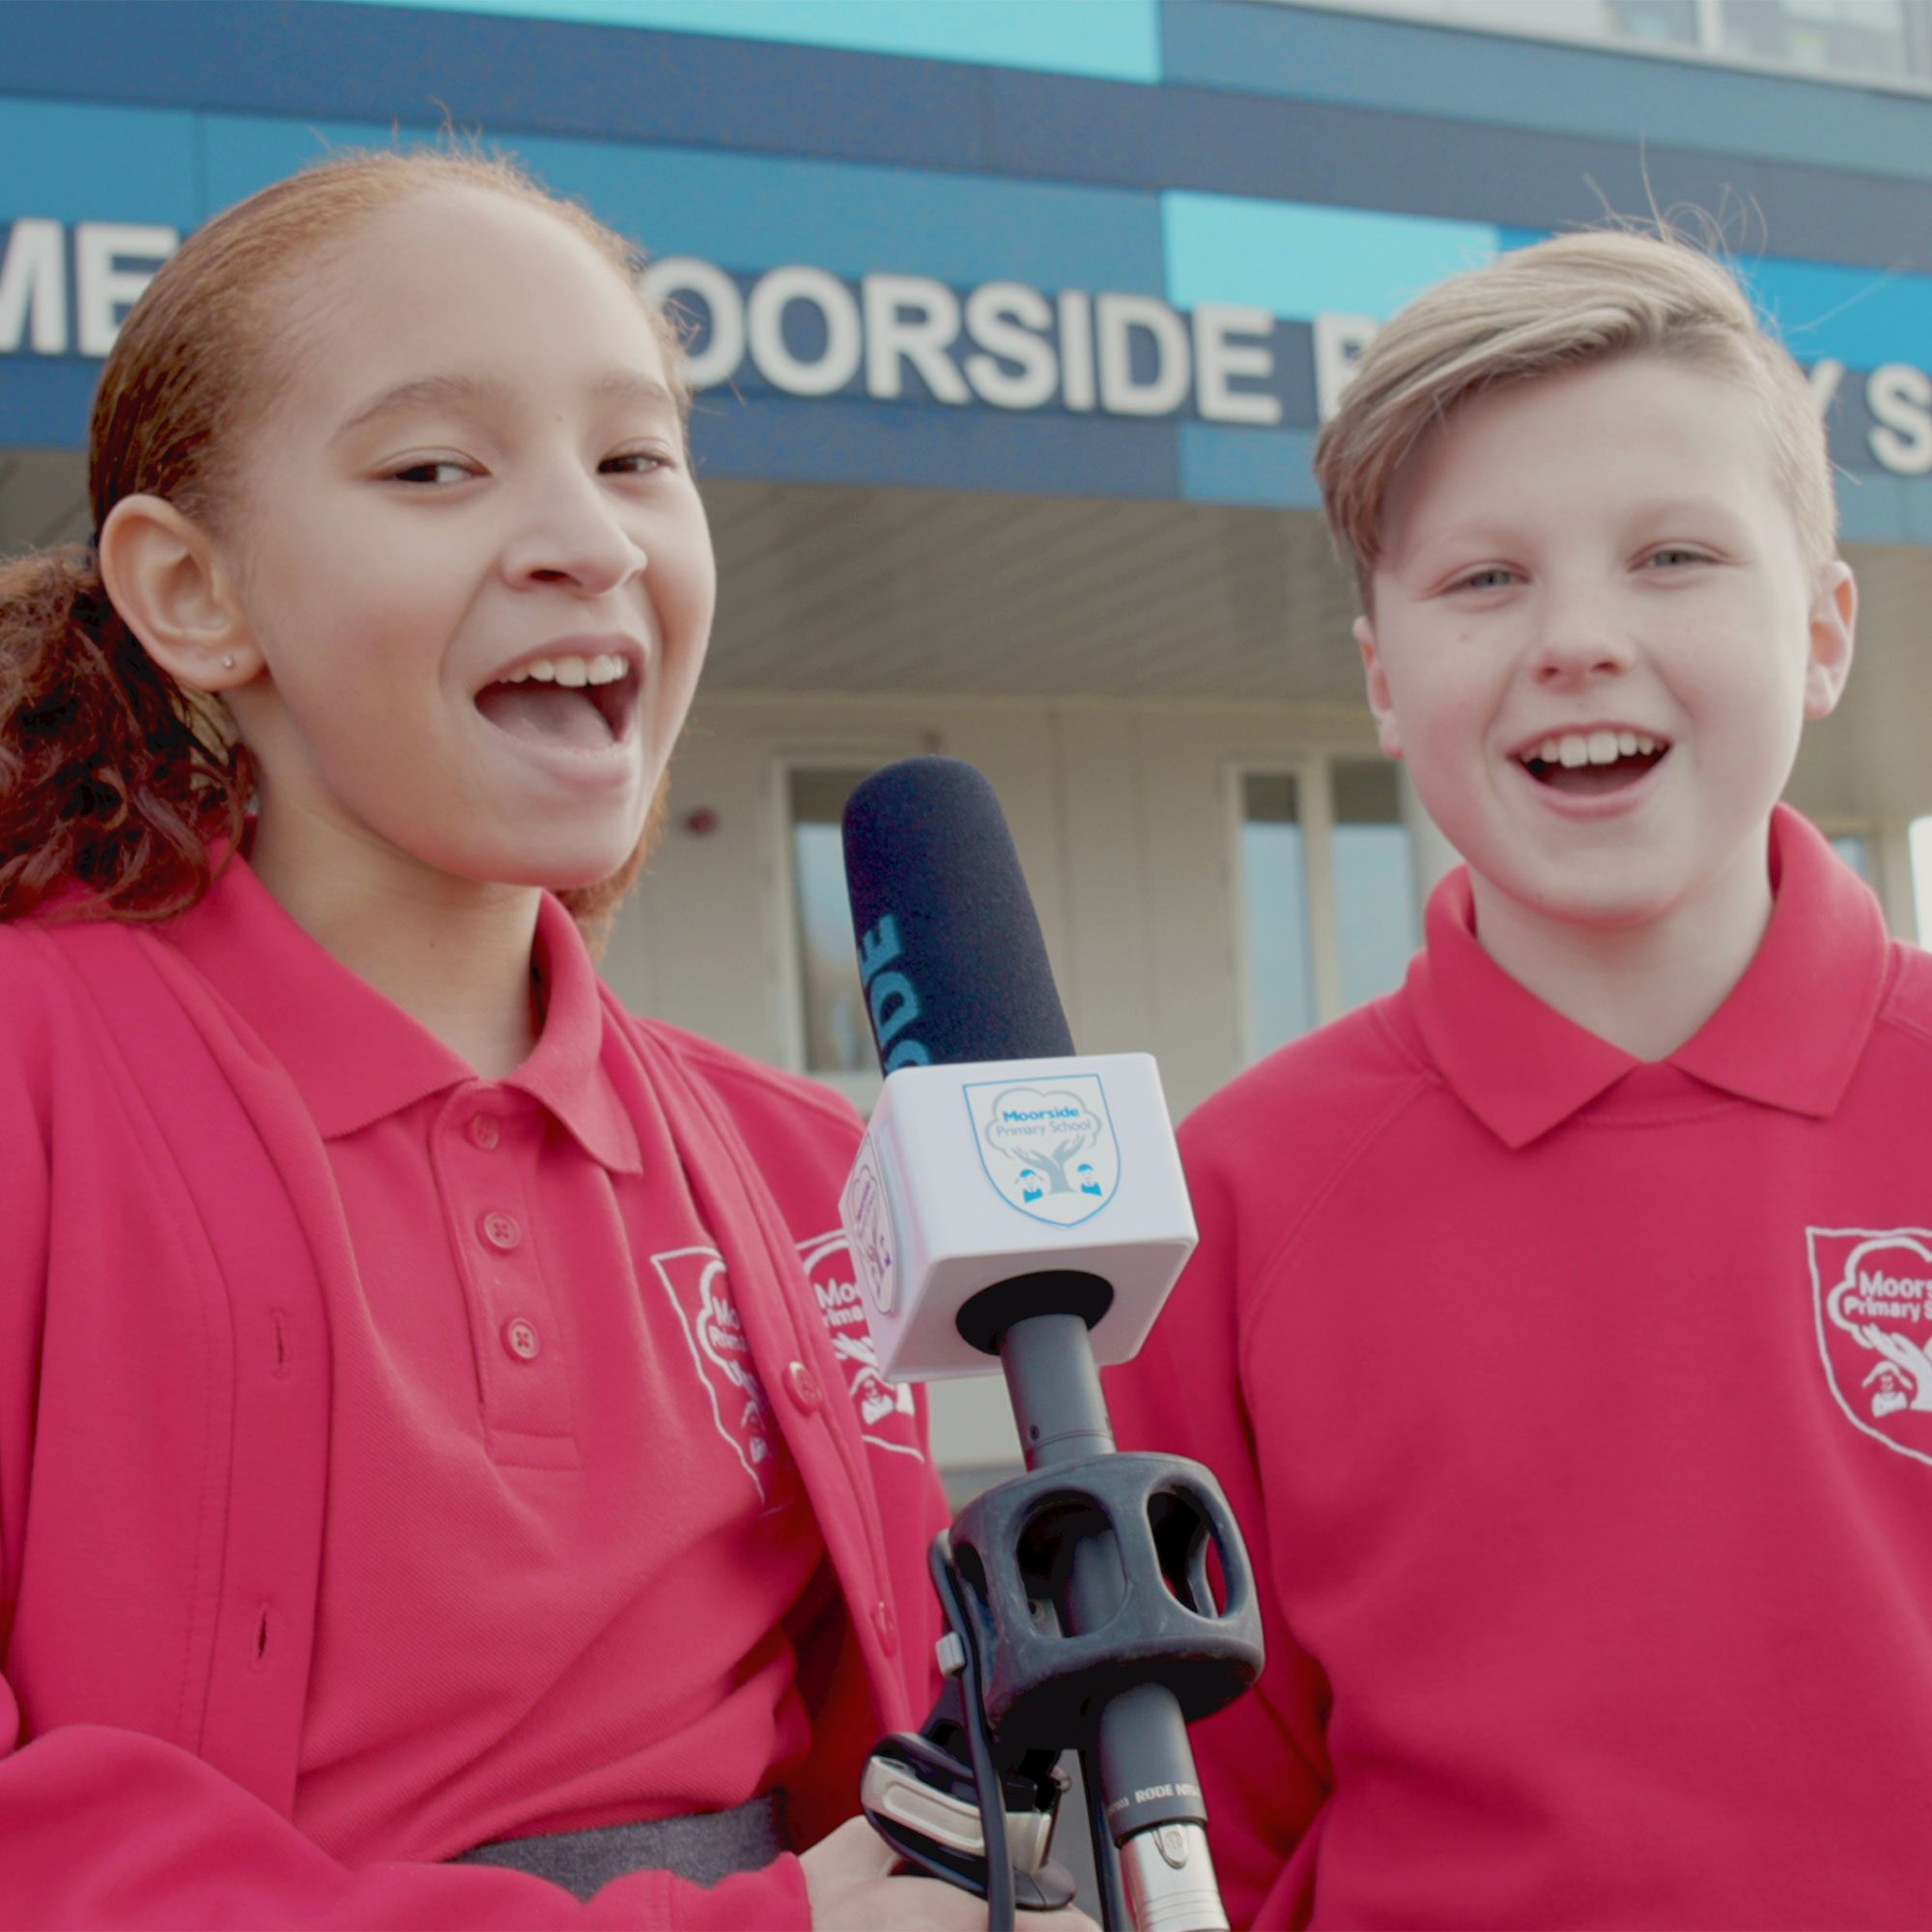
859 1087
1313 772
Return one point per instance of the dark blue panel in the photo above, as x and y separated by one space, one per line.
785 440
46 400
495 72
1219 142
508 76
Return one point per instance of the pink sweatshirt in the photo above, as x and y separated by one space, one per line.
170 1239
1578 1412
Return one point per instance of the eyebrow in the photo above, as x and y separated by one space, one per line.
434 392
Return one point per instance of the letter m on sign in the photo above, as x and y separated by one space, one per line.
33 288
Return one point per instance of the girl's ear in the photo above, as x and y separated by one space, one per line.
167 579
1387 735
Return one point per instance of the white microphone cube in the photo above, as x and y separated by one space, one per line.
973 1173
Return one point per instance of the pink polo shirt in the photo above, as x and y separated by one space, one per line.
1580 1414
563 1533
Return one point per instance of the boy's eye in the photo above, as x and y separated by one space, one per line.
1492 577
633 462
432 469
1676 555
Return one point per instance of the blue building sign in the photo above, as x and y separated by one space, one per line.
968 246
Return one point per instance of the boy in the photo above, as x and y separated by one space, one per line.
1557 1327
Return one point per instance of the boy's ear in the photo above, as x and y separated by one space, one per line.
1834 616
171 587
1380 702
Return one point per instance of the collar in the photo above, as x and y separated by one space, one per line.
1789 1035
356 1056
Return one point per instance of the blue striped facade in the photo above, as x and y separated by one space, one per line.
1200 151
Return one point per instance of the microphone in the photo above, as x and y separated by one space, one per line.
972 1185
1015 1199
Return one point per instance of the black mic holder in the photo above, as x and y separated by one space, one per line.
1083 1616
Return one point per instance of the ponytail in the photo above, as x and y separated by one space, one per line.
114 781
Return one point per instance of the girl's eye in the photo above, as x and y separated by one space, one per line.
1674 555
433 469
1492 577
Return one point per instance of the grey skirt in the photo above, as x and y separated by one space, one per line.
705 1848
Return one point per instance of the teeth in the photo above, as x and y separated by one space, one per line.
573 671
1594 748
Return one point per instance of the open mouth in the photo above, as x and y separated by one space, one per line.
1587 763
581 703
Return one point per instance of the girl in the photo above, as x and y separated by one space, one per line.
428 1487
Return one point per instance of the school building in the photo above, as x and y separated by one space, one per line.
1012 323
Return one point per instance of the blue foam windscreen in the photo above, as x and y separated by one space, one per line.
949 948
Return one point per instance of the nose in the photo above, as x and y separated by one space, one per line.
1578 637
573 535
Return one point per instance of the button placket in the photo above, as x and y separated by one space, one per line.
485 1153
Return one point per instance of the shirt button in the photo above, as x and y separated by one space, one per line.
521 1337
500 1230
888 1627
806 1390
484 1130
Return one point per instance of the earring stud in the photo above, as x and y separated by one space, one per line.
227 664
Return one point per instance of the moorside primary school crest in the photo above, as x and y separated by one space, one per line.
1874 1293
1049 1148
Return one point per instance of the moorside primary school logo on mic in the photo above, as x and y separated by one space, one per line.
1049 1147
1874 1293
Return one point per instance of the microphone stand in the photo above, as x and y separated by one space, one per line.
1082 1600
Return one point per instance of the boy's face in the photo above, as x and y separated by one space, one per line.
1594 640
477 467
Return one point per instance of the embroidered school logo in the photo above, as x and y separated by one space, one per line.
700 1290
887 1419
1873 1295
1049 1148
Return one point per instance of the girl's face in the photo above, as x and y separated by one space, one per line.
473 562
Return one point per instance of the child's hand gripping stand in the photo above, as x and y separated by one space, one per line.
1007 1199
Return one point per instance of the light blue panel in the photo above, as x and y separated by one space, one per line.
244 153
1862 317
78 164
1116 39
749 212
1303 261
1875 506
1268 468
757 211
1414 67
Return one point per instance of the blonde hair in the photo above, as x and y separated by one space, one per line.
117 785
1563 304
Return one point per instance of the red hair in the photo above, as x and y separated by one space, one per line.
118 787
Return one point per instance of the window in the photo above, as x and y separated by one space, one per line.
1852 849
836 1035
1919 837
1275 894
1888 41
1327 893
1376 927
